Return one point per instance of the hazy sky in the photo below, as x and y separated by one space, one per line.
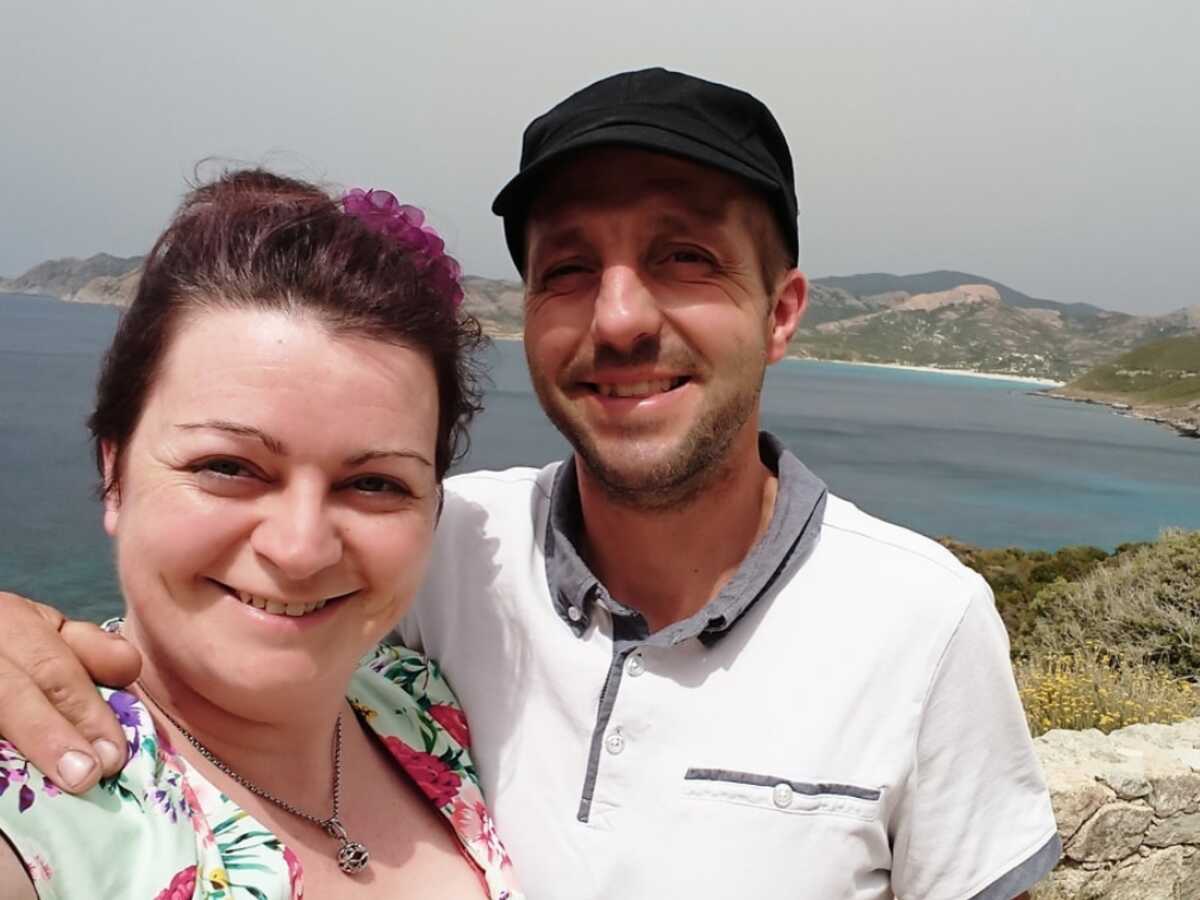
1051 145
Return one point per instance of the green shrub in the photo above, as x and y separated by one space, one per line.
1142 606
1017 576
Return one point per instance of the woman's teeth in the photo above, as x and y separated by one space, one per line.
275 608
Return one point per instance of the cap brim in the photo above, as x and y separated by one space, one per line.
515 196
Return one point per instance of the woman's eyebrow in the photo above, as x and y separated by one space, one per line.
368 455
240 430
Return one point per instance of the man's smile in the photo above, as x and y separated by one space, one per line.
637 389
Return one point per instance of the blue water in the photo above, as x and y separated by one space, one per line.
947 455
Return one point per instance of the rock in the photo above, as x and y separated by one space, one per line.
1074 800
1166 875
1113 833
1184 829
1175 793
1127 783
1071 884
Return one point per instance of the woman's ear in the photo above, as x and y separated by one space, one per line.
112 490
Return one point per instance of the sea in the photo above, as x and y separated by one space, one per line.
980 460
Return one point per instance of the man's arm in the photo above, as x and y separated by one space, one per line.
975 816
49 707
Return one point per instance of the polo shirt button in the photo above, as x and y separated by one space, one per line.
782 795
574 614
614 743
636 665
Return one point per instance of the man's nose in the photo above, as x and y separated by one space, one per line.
298 535
626 310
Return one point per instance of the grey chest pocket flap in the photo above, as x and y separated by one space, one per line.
784 795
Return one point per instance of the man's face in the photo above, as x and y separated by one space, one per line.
648 319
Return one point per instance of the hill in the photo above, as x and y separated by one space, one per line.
976 323
1159 381
113 280
873 283
946 319
67 278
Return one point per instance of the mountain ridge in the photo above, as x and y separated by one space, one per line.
942 319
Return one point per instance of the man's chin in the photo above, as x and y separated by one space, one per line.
641 475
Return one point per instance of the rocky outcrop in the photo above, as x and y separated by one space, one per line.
116 290
965 293
1128 812
65 278
1183 419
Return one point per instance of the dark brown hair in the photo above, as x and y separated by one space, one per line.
255 240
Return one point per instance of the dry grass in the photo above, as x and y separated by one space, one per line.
1142 606
1093 689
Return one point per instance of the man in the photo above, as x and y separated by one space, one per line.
689 671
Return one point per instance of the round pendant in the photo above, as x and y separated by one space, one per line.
352 857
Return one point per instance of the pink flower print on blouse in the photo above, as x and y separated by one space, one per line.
451 718
182 886
434 777
39 869
473 821
295 873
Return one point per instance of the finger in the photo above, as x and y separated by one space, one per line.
49 707
108 658
43 736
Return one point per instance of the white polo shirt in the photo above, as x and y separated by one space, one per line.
842 725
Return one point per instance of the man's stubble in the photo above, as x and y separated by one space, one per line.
661 480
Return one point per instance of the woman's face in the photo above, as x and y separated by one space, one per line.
276 503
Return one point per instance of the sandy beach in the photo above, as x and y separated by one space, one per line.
970 373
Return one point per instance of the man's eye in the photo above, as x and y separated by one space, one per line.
688 256
559 274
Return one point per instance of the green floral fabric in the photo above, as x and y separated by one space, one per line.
160 831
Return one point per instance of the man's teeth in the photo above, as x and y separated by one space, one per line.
638 388
275 608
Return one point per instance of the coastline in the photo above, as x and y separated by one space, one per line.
968 373
1178 419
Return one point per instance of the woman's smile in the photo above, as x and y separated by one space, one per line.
281 606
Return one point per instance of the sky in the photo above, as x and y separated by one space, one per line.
1050 145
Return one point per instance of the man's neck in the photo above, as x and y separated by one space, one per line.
667 564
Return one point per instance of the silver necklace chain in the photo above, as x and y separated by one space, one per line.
352 856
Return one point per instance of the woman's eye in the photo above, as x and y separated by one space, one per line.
226 468
375 484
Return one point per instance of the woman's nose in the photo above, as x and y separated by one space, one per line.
298 535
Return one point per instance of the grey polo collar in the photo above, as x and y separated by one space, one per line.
795 525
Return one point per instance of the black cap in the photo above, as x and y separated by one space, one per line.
667 112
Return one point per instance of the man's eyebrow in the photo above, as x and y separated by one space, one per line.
369 455
560 238
690 218
269 442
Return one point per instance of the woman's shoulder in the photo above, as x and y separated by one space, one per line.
396 687
404 698
134 826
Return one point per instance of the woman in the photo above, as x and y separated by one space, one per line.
274 418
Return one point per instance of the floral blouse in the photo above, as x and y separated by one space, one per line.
160 831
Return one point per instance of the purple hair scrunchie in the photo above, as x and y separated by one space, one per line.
381 212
